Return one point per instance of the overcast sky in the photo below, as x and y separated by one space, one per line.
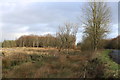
44 17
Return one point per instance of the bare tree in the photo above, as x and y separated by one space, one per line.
67 35
96 19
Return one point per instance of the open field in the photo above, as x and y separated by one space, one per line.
49 63
40 62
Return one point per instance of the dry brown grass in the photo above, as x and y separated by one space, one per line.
37 65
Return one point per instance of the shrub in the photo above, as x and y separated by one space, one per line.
6 63
95 68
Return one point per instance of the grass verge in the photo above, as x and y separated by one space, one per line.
111 67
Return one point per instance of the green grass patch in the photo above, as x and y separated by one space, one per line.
111 67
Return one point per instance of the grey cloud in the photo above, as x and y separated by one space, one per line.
39 13
40 18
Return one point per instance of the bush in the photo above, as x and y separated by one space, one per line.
95 68
15 59
6 63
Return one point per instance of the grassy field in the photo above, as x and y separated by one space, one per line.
49 63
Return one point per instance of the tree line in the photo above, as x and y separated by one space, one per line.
65 38
104 44
35 41
113 43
